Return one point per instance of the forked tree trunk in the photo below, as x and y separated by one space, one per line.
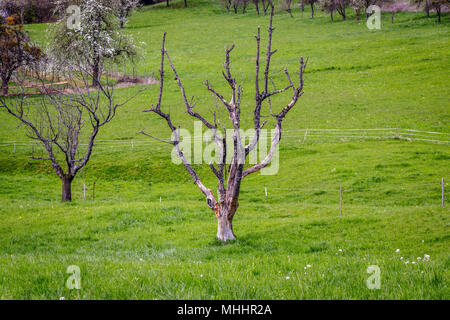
225 228
66 189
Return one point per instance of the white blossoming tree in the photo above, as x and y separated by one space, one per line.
93 34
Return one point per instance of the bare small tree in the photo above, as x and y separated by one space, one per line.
286 6
311 3
226 203
328 6
57 119
437 5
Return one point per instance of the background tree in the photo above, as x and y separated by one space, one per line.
357 5
124 8
311 3
437 5
265 5
341 6
328 6
286 6
256 3
16 51
426 4
98 40
57 119
17 6
226 203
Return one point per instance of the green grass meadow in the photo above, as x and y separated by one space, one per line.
149 233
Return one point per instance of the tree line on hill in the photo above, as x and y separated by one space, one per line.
32 11
339 7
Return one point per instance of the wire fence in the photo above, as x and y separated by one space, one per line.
291 137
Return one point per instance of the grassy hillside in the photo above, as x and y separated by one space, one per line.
149 234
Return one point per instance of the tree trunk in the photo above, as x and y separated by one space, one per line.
167 3
121 22
331 14
5 87
185 3
357 14
392 17
427 9
66 189
302 5
225 228
257 7
244 7
312 10
22 16
438 11
96 72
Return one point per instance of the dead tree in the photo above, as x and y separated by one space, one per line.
58 119
226 203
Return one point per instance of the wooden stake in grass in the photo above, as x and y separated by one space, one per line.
340 196
443 198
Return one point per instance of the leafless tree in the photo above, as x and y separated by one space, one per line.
341 6
437 5
357 5
286 6
57 119
311 3
328 6
226 203
256 3
265 5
